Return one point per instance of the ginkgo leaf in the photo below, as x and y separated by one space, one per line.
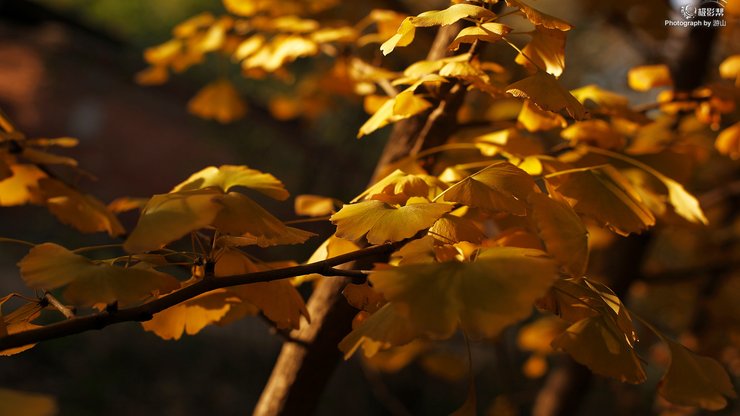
404 105
483 296
693 380
451 15
600 96
383 329
727 143
82 211
22 187
545 91
248 47
168 217
89 282
453 229
382 222
363 297
22 403
278 300
314 205
240 216
561 229
219 101
546 51
331 247
18 321
643 78
538 18
281 50
398 187
597 132
403 37
534 119
486 32
499 187
730 68
685 204
599 344
190 316
226 177
603 194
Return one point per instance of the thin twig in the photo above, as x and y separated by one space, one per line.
56 304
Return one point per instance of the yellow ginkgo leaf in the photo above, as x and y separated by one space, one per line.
382 222
403 37
168 217
399 186
596 132
693 380
643 78
281 50
603 194
487 32
451 15
243 218
314 205
727 143
17 321
498 187
190 316
278 300
599 344
563 232
453 229
331 247
533 119
545 91
363 297
538 18
22 187
546 51
162 55
226 177
89 282
82 211
21 403
730 68
402 106
484 296
600 96
384 329
244 7
153 75
685 204
219 101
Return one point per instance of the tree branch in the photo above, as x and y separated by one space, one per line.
144 312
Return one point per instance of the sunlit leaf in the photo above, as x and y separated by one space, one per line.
487 32
281 50
484 296
403 37
693 380
190 316
605 195
168 217
331 247
727 143
545 91
249 223
398 187
451 228
730 68
596 132
561 229
451 15
90 282
22 403
546 51
400 107
382 222
600 96
82 211
219 101
538 18
383 329
685 204
314 205
22 187
643 78
533 119
226 177
599 344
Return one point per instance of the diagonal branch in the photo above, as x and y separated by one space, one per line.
144 312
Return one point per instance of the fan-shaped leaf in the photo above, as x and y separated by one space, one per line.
538 18
190 316
546 51
227 177
561 229
545 91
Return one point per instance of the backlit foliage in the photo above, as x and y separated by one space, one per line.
478 240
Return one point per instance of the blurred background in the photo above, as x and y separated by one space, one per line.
67 69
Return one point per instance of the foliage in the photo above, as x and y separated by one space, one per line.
501 222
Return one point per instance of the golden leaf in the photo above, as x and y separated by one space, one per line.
218 100
153 75
399 186
603 194
685 204
600 96
643 78
281 50
451 228
538 18
18 321
599 344
89 282
314 205
363 297
483 296
596 132
331 247
382 222
190 316
21 403
22 187
82 211
487 32
248 47
451 15
546 51
561 229
533 119
227 177
168 217
727 143
730 68
545 91
402 106
383 329
403 37
693 380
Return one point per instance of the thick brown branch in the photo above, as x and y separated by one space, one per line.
145 311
